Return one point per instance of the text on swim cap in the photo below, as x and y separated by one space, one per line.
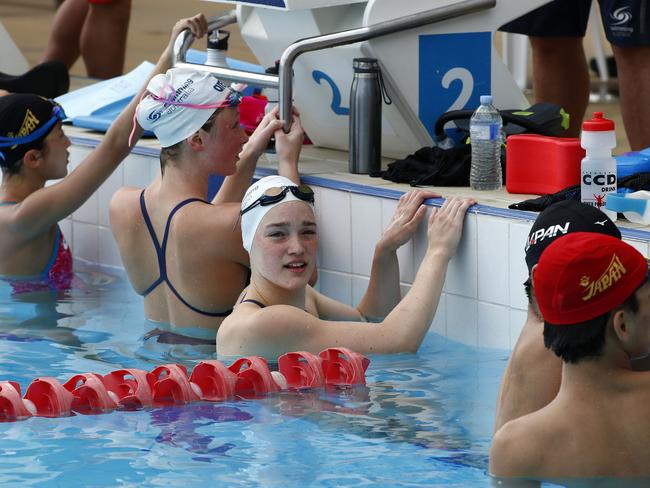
181 93
615 270
30 122
541 234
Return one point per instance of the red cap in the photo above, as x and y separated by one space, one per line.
583 275
598 123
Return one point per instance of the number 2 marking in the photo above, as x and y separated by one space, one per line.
336 93
467 86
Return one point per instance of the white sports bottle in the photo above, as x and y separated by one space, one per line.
598 167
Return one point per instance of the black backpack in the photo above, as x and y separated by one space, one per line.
450 167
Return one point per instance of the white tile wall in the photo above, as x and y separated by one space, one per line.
462 278
462 319
85 242
109 254
137 170
335 237
359 287
493 326
336 285
517 321
493 260
439 324
518 271
106 192
88 211
366 227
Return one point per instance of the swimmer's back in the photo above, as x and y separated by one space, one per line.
204 259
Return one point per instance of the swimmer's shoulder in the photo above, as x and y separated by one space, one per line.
514 450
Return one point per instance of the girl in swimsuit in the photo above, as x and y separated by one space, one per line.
280 312
33 150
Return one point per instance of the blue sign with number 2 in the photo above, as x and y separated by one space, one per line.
455 70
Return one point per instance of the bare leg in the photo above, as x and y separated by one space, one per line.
103 38
561 76
633 65
63 44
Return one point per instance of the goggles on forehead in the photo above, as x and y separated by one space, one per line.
57 115
276 194
233 98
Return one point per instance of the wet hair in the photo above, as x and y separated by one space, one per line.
174 152
575 342
528 289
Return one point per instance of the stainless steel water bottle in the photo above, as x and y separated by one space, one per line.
365 117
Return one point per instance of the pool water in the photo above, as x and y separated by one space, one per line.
422 420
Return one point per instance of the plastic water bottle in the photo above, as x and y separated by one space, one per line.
598 167
217 47
485 136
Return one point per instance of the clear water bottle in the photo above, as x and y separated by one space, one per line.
217 47
485 136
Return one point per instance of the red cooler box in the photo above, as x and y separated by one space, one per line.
541 164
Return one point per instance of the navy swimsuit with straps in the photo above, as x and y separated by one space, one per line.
161 250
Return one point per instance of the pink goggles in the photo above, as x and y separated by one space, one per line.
232 99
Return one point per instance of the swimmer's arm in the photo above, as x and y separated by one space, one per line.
288 146
222 226
234 186
383 291
277 329
46 206
330 309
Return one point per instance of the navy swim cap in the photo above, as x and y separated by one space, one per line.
21 115
562 218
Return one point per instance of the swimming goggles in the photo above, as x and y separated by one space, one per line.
57 115
276 194
233 98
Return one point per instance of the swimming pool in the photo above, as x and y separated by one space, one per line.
422 420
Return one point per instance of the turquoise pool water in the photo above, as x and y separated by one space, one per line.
423 420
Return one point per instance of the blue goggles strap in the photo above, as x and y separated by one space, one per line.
57 114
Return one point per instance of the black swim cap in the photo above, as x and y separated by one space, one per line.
562 218
20 115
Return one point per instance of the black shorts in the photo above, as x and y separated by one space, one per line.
626 22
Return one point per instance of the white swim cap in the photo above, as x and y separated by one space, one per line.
252 217
180 102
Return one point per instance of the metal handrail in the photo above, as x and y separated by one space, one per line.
185 40
362 34
284 81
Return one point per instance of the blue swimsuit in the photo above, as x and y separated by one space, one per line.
57 274
161 250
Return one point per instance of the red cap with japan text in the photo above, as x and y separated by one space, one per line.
584 275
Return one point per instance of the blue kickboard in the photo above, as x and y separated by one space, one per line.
101 119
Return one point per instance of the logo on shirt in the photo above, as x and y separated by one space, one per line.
621 16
